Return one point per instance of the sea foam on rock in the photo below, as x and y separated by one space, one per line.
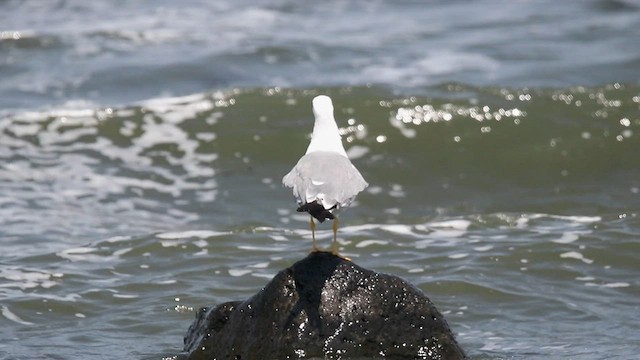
327 307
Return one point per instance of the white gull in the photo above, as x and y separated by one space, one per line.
324 179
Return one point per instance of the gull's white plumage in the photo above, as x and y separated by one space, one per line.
325 174
324 180
325 136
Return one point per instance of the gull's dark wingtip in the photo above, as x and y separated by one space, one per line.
317 211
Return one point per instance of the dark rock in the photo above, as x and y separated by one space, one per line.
324 306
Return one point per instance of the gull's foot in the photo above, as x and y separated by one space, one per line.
335 252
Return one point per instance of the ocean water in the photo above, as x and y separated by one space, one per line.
142 147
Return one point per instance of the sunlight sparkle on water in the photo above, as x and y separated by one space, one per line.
417 115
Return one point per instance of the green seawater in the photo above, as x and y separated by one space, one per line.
514 210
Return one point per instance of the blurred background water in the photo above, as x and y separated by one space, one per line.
142 146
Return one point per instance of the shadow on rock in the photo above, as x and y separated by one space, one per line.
324 306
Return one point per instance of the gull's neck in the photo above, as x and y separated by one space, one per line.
325 135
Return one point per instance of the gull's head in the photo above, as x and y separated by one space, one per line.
322 107
325 136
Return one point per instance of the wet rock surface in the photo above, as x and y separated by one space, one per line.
324 306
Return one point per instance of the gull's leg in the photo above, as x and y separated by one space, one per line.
312 225
334 247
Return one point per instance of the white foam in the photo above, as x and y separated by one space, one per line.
28 279
458 256
79 250
585 278
366 243
203 234
483 248
125 296
264 248
201 243
447 233
72 297
446 229
206 137
21 130
118 239
13 317
522 222
239 272
571 218
278 237
194 103
399 229
69 136
121 251
579 219
171 243
616 285
166 282
357 228
458 224
266 228
572 221
567 238
576 255
392 211
84 253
